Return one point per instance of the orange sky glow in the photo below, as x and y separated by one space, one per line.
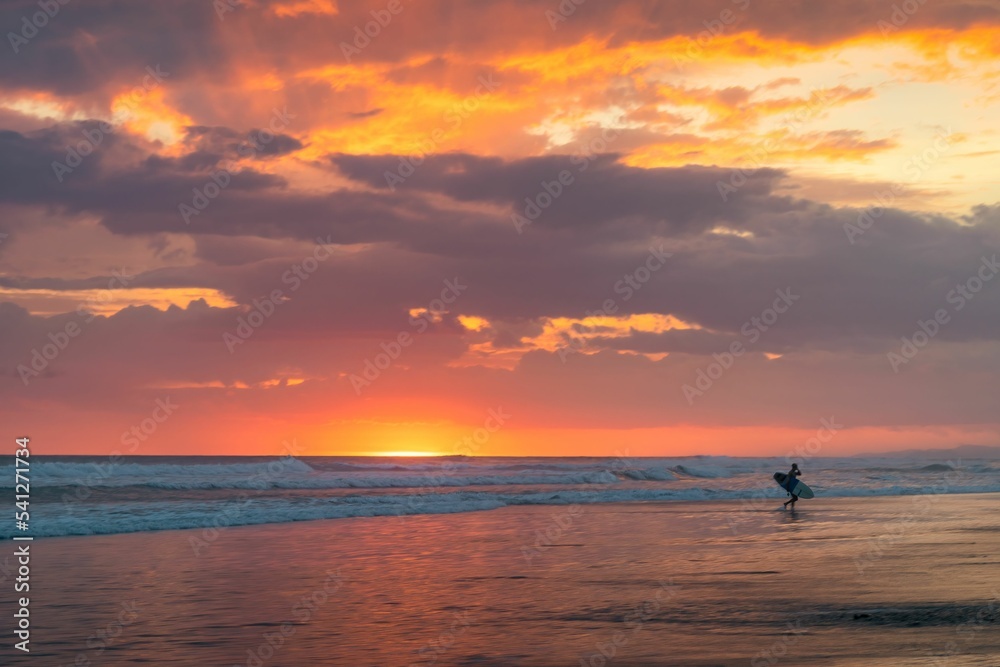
293 233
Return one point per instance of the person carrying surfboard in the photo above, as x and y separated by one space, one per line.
793 475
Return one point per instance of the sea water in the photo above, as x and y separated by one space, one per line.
80 495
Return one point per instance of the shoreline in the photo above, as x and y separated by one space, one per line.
758 502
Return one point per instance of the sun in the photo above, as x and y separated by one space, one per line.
405 453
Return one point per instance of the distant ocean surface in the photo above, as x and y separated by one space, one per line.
80 495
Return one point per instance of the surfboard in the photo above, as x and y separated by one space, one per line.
796 486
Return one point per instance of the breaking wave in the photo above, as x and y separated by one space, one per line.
82 496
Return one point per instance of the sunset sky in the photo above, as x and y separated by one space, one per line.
570 214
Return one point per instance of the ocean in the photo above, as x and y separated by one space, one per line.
87 495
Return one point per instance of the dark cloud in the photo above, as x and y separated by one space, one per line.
90 51
227 142
569 260
84 48
594 190
366 114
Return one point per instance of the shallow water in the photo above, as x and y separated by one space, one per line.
884 581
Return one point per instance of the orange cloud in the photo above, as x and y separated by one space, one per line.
414 118
110 301
561 334
737 108
151 116
293 8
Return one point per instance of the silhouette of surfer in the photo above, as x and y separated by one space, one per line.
793 474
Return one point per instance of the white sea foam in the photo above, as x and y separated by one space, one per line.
53 519
704 472
139 495
112 472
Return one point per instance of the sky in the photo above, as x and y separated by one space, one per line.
576 228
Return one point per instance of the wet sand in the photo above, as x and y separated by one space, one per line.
895 581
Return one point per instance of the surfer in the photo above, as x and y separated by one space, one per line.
793 475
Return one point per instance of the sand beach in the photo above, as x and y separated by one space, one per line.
888 581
